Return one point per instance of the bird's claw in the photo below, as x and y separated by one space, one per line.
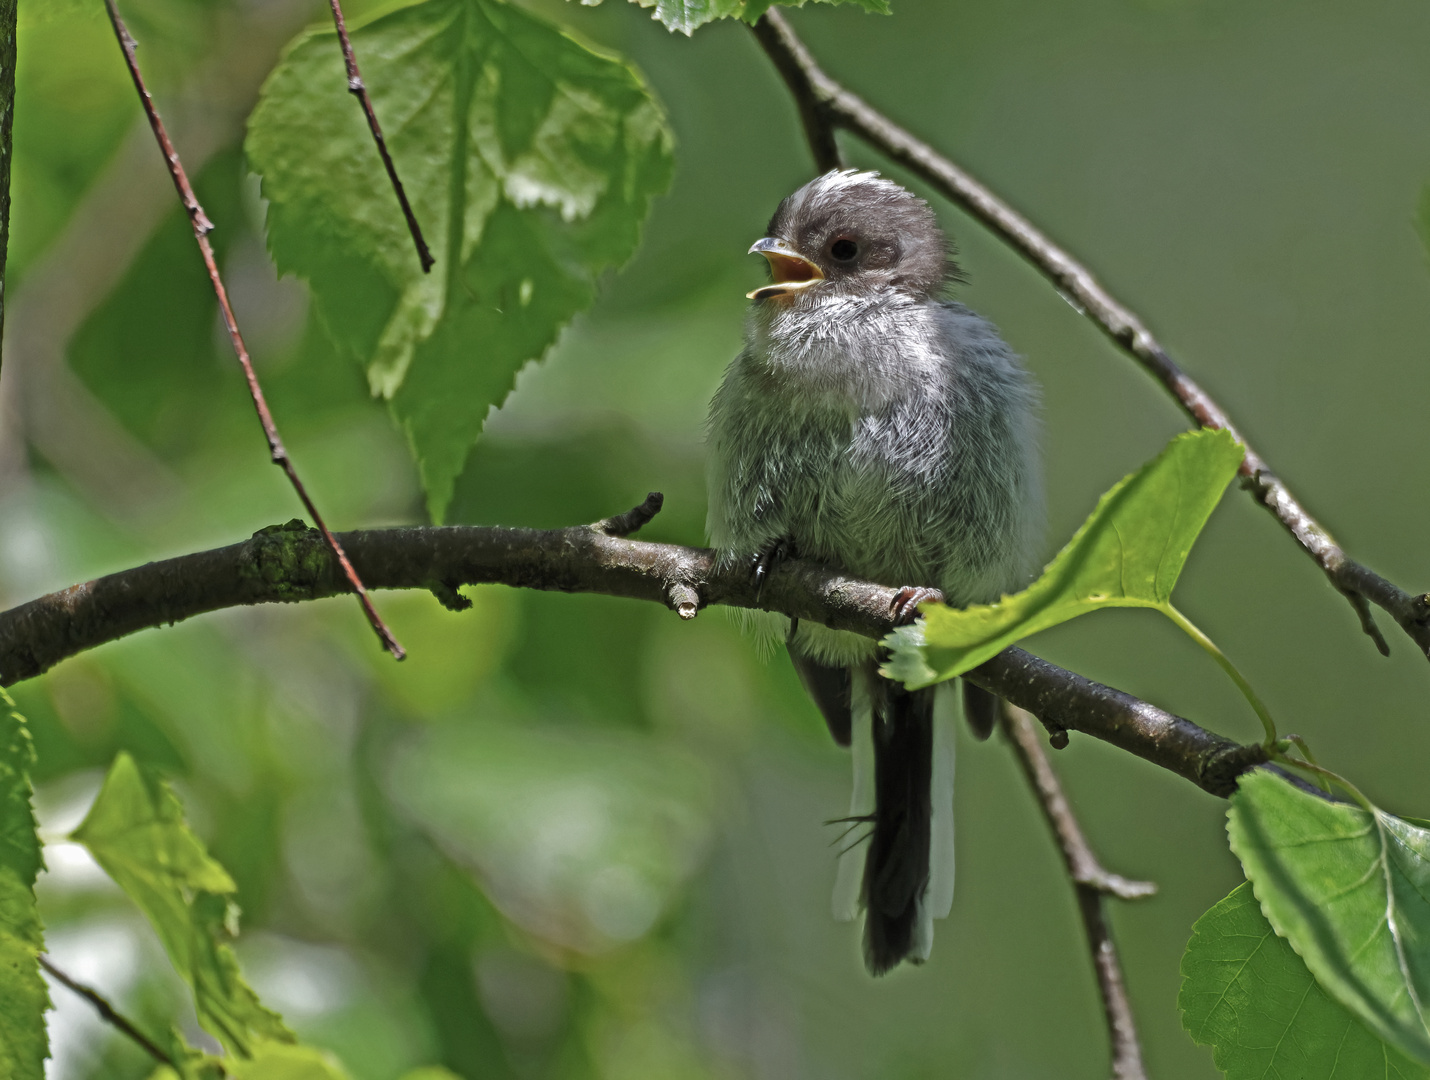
905 605
767 558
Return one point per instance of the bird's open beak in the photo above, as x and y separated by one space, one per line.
791 270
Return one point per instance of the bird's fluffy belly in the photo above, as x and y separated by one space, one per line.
897 446
845 504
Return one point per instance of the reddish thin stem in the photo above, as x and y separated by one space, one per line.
202 227
359 89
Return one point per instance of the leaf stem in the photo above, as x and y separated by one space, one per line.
1191 630
1305 749
1323 773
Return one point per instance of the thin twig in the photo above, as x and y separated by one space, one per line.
634 519
108 1012
1082 864
825 106
1121 1029
358 88
202 227
1091 882
292 563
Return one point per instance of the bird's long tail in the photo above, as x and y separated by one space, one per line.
896 866
902 745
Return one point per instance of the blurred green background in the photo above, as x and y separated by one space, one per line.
573 837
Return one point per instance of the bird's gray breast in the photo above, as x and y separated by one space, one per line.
895 441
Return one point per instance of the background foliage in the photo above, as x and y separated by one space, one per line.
1244 173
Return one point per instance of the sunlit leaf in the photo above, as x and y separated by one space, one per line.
1248 995
270 1061
136 831
1128 553
23 997
531 162
280 1061
189 1063
1350 889
687 15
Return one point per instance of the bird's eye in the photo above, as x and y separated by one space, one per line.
844 249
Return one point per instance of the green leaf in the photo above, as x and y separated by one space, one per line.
24 1044
1128 553
191 1064
1350 889
136 831
1248 995
270 1061
687 15
280 1061
530 161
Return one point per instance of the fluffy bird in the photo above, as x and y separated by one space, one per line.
874 425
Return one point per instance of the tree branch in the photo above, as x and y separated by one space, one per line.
1091 883
1082 864
795 65
202 226
290 563
108 1013
825 106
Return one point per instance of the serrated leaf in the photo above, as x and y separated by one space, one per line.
1128 553
755 8
1349 888
1248 995
530 161
687 15
24 1044
136 831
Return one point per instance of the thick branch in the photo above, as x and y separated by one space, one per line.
291 563
1091 883
825 106
795 65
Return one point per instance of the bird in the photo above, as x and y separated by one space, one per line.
875 425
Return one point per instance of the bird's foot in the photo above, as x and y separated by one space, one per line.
905 605
767 558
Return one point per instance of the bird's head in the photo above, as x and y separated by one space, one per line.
853 233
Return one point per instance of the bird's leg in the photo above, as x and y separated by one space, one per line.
768 557
905 605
